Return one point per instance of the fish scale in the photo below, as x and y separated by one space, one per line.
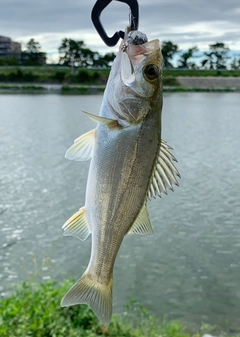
129 163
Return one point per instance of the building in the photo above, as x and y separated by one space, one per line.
9 48
13 50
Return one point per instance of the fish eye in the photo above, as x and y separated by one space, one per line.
151 72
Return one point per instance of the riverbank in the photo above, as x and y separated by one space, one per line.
170 84
34 310
57 79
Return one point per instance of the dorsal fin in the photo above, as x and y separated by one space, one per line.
165 172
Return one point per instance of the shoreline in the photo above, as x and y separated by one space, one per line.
185 85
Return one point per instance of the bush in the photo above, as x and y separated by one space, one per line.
83 76
34 310
12 76
95 76
59 76
3 77
9 61
29 77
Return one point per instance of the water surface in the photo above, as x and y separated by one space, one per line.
190 270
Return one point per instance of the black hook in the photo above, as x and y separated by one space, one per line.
96 12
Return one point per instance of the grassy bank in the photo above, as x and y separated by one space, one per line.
93 89
63 75
52 75
34 310
201 73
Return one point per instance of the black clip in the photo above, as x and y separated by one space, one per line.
96 12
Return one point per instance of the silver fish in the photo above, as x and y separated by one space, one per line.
129 164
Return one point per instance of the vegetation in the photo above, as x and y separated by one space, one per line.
52 75
63 75
168 51
66 89
184 59
34 310
75 54
25 87
200 72
217 57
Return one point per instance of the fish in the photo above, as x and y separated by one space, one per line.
130 164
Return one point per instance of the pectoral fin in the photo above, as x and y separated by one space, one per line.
142 225
110 123
165 172
77 225
82 147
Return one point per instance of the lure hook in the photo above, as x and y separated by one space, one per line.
96 12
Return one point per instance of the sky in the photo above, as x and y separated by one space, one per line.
184 22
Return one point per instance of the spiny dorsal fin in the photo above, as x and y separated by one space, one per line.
142 224
82 147
110 123
77 225
165 172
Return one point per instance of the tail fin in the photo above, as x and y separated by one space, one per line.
96 295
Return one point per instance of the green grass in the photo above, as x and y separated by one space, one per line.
196 89
52 75
26 87
170 81
199 73
74 89
57 74
34 310
90 89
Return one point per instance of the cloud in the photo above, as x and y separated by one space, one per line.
185 22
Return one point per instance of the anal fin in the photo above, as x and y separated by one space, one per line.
77 225
142 224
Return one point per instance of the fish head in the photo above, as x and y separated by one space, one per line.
136 80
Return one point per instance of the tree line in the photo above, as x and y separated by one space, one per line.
75 54
216 57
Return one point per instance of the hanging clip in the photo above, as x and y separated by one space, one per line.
96 12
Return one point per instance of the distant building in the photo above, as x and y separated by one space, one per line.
13 50
9 48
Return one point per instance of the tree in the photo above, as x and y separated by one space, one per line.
235 64
168 51
217 57
32 54
105 60
185 56
33 46
75 54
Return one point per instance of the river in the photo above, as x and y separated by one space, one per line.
190 269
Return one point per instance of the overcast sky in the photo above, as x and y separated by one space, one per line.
184 22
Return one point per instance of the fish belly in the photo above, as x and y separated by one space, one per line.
119 176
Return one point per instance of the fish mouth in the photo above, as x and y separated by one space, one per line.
133 57
127 69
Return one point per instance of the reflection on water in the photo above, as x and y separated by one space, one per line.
191 268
